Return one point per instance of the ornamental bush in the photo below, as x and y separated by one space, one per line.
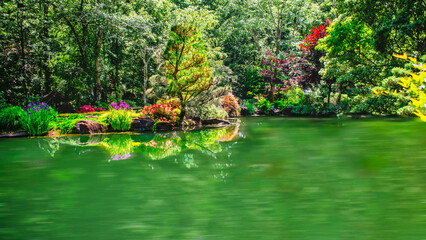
231 106
37 117
161 113
89 109
212 111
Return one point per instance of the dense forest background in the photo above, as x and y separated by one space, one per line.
339 52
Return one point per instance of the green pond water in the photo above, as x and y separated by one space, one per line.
268 178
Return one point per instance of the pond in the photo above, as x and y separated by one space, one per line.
267 178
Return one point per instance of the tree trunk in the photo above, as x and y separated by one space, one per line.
97 81
145 76
48 82
329 94
182 112
339 95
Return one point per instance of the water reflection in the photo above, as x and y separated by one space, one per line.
292 179
153 147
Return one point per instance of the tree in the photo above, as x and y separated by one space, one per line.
350 57
187 69
397 25
309 69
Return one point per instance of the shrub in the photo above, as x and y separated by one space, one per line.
250 106
415 85
294 96
10 118
376 104
301 109
212 111
231 106
120 119
89 109
161 113
264 105
173 102
407 111
37 118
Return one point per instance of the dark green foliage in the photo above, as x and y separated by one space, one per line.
290 98
212 111
250 106
304 110
378 104
10 118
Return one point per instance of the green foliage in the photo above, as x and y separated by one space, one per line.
290 98
415 86
264 104
301 109
397 25
10 118
378 104
251 107
212 111
120 119
348 36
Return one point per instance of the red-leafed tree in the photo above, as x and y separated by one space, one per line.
307 69
311 40
275 72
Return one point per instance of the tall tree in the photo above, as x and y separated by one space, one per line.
187 69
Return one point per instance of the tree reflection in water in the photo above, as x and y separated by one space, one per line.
154 147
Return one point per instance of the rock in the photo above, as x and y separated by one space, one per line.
14 134
142 124
215 121
259 112
89 127
91 116
275 112
164 126
53 133
244 112
287 110
196 122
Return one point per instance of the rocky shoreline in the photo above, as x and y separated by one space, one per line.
139 124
